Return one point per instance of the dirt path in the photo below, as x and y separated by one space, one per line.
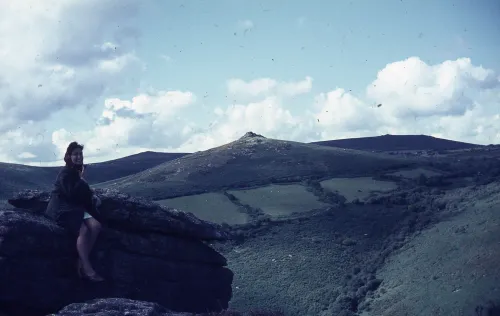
448 269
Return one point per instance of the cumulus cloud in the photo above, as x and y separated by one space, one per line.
267 117
454 99
61 54
27 144
58 56
412 88
246 25
145 121
253 88
267 86
166 58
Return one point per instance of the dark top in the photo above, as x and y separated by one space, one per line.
70 197
73 189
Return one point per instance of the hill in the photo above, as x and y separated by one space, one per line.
250 161
15 177
397 143
326 231
121 167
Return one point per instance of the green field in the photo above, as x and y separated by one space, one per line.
213 207
415 173
357 188
279 200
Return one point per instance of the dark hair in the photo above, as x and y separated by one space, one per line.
67 156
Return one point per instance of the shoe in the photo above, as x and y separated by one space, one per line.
94 277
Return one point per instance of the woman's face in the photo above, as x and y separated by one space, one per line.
77 156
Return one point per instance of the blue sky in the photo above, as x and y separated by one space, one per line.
204 72
338 43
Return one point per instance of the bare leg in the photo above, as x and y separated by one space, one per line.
95 228
82 247
88 234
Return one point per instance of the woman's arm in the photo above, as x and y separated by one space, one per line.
85 195
75 189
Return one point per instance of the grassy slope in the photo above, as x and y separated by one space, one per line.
316 259
250 161
397 142
309 266
114 169
450 268
305 266
15 177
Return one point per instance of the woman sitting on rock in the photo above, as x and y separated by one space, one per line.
73 206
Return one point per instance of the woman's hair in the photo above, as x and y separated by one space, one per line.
67 157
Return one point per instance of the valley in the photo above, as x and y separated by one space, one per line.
321 230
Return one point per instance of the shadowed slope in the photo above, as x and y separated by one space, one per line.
249 161
397 142
16 177
117 168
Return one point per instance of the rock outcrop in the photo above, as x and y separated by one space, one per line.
145 252
117 307
128 307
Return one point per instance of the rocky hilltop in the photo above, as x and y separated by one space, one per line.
251 160
146 252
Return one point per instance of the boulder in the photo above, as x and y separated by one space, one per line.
146 252
133 213
117 307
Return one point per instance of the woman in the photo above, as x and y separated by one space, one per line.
72 206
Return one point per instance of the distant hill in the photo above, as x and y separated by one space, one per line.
117 168
250 160
15 177
397 143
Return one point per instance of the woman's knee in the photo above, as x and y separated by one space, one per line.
93 225
84 229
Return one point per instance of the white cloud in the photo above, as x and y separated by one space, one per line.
55 56
246 25
163 104
267 117
295 88
412 88
166 58
341 111
26 155
267 86
454 100
60 54
252 88
146 121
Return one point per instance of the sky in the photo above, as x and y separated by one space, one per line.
126 76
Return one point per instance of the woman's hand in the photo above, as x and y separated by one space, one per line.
97 200
81 172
